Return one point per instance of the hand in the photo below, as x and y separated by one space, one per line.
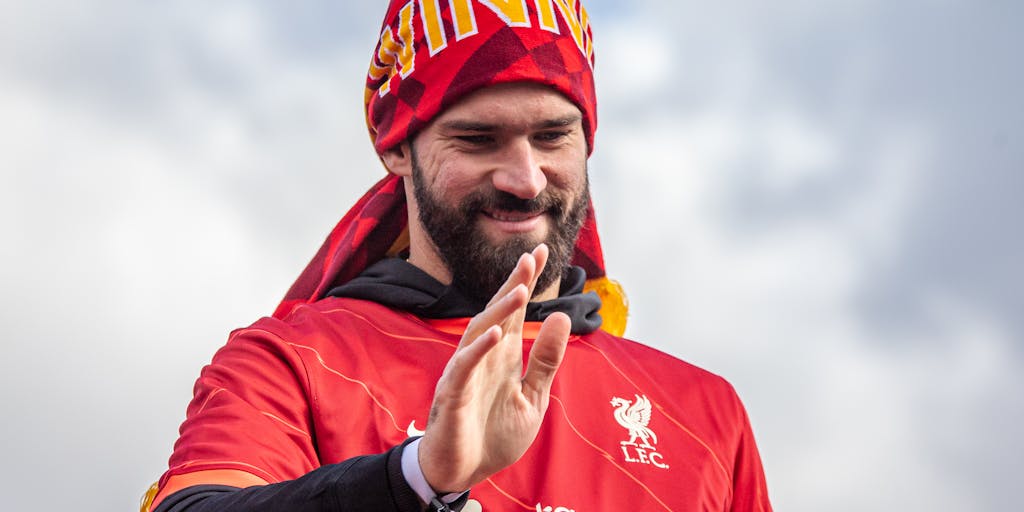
486 411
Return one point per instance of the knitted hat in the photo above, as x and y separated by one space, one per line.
432 53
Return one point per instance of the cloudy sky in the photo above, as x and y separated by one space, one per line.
818 200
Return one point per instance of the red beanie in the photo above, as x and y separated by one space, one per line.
431 53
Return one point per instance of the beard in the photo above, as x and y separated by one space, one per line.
479 266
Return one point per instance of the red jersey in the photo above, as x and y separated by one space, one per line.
628 427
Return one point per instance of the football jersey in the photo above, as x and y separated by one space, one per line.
628 427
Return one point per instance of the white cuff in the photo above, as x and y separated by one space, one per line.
413 474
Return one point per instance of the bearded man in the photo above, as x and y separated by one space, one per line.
464 295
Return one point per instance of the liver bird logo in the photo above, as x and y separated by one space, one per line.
634 416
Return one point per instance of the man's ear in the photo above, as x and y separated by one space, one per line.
398 159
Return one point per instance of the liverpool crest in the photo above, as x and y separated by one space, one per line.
635 416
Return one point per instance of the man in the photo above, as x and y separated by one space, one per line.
451 299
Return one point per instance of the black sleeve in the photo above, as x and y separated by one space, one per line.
367 483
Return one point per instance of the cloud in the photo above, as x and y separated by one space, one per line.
169 170
781 193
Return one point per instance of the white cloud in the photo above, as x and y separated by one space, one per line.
729 266
142 224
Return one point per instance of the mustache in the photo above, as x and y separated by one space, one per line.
504 201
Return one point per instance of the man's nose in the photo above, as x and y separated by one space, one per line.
520 172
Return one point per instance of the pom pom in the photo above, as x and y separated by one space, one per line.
614 305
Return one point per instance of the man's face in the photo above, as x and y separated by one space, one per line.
495 175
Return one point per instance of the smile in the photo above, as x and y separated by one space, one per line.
512 216
514 222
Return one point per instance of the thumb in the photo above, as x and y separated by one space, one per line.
546 356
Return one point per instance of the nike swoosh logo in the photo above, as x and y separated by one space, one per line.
412 431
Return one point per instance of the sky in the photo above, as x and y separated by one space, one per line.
817 200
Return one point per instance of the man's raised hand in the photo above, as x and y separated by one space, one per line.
486 410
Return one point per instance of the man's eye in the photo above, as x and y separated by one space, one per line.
551 136
476 140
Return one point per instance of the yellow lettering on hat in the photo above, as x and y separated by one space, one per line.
568 9
384 56
407 36
433 26
512 12
546 15
588 42
395 55
465 18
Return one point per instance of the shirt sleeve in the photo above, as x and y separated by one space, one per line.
251 414
750 489
369 483
413 474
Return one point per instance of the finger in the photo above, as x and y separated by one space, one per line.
497 313
539 256
545 357
466 359
540 259
520 274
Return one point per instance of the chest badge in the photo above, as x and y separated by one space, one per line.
635 416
